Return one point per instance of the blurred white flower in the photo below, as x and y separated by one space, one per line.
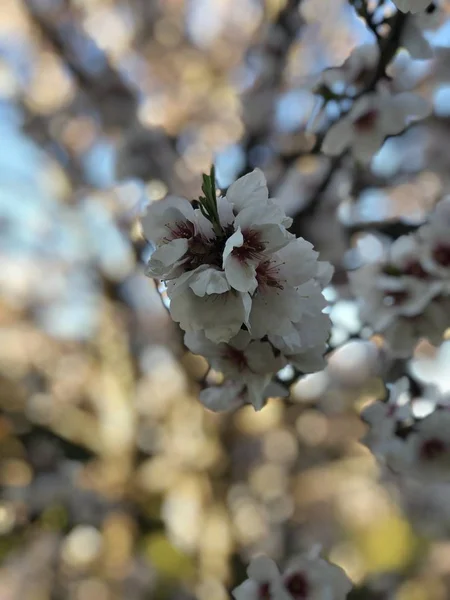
355 73
306 577
435 247
425 453
309 576
403 333
372 118
383 297
413 6
401 297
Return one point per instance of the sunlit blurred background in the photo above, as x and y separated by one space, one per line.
116 482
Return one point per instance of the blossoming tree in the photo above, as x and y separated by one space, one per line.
225 292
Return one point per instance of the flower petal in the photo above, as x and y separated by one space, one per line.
247 190
222 398
263 569
241 275
210 281
338 138
164 214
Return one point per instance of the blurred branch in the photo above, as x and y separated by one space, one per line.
100 84
280 37
388 48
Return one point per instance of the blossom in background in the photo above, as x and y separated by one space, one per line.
413 6
247 293
357 70
306 577
405 296
435 243
425 453
372 118
404 332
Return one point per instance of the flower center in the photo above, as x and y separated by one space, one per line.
415 269
441 254
432 449
237 357
297 585
267 275
182 229
366 121
204 252
264 591
251 249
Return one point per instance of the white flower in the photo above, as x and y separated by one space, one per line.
383 298
252 362
251 191
234 278
425 454
312 577
170 224
307 577
403 333
371 119
258 231
305 344
284 285
356 71
403 297
201 300
264 582
435 248
413 6
405 258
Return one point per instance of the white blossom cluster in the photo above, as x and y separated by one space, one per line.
406 295
418 449
414 453
372 118
307 576
247 292
378 110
